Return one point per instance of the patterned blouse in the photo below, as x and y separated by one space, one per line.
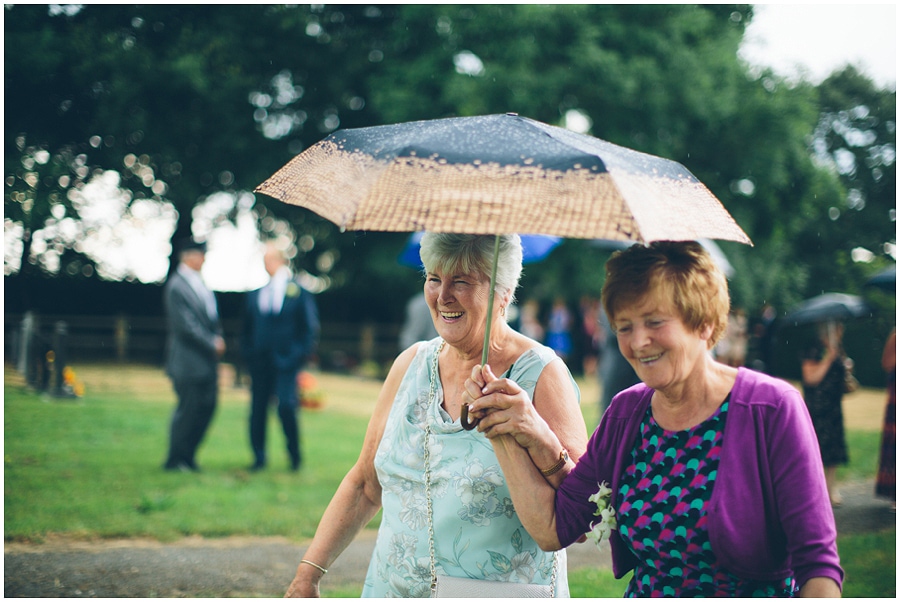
662 515
477 533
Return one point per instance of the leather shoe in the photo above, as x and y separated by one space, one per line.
180 466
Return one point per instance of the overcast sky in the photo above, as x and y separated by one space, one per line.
823 37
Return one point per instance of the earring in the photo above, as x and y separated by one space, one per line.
503 311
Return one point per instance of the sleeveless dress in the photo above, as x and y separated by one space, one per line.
886 479
477 533
824 404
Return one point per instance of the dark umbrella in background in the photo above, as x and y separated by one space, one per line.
885 280
498 174
827 307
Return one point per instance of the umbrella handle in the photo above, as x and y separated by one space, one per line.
464 418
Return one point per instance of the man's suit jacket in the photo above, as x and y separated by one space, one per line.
191 353
289 337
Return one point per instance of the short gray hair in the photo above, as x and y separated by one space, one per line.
474 253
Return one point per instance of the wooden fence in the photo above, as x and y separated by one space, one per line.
343 346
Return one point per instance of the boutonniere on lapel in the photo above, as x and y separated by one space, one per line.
292 290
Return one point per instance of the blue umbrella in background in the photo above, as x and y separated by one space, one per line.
535 247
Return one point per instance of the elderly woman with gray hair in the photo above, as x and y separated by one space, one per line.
447 508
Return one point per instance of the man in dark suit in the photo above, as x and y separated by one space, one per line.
281 330
195 345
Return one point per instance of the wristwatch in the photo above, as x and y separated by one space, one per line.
563 458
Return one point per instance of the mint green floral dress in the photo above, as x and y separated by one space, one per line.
477 532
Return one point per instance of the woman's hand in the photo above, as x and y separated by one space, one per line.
503 408
304 585
820 587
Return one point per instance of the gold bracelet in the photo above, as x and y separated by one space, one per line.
311 563
551 470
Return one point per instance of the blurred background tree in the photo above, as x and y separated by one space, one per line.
172 113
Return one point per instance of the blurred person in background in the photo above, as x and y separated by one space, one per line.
529 321
824 368
457 490
615 373
706 478
194 347
592 336
417 323
281 330
559 328
886 481
732 349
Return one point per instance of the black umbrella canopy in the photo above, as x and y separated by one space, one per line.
828 307
460 140
496 174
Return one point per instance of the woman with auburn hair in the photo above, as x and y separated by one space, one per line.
706 478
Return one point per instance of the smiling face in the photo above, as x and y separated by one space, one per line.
658 344
458 304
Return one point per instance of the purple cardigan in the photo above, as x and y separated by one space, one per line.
769 514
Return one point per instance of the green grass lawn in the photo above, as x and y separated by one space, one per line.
91 468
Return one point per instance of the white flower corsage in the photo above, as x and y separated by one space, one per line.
603 528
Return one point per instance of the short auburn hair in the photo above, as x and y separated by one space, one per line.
680 271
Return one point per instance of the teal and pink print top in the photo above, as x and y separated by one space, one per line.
662 515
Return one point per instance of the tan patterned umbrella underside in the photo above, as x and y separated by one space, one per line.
359 192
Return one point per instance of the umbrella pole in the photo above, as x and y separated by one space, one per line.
490 314
464 411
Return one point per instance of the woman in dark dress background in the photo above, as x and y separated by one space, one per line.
886 481
824 369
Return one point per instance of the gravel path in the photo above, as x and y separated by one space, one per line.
258 567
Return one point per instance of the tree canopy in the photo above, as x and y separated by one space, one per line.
161 107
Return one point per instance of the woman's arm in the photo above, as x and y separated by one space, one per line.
556 401
358 498
814 371
820 587
545 426
800 494
529 437
889 354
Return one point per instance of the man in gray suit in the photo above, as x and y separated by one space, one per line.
195 345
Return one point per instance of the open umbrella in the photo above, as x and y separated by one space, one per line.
827 307
534 248
886 280
498 174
